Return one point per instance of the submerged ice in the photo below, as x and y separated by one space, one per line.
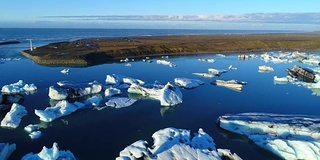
172 143
6 150
288 136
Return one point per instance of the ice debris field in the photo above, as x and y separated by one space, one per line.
287 136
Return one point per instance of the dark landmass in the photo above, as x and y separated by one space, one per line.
9 42
87 52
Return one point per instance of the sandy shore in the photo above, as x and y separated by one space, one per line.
88 52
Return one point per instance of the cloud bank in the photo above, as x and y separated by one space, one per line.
295 18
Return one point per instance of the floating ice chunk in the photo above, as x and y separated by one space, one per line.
6 150
62 108
117 79
288 136
313 62
67 89
120 102
35 134
281 80
172 143
232 68
168 95
206 75
93 101
216 72
50 154
188 83
65 71
231 84
109 92
211 60
31 127
13 117
265 68
167 63
128 65
18 87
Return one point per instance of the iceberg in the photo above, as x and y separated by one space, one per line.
265 69
117 79
172 143
167 63
280 80
14 116
62 108
206 75
31 127
188 83
35 134
66 90
6 150
120 102
109 92
65 71
287 136
168 95
50 154
93 101
216 72
301 73
18 87
231 84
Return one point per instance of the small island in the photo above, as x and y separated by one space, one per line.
88 52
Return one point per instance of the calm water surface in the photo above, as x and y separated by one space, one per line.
93 134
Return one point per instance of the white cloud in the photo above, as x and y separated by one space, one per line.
296 18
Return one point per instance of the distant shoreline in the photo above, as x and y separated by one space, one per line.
93 51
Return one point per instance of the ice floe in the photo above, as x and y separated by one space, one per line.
62 108
6 150
50 154
231 84
172 143
120 102
117 79
31 127
35 134
265 69
14 116
188 83
167 63
18 87
109 92
280 80
65 71
206 75
66 89
288 136
168 95
216 72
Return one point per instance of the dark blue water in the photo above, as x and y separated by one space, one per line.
93 134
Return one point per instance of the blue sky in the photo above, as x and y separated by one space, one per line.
177 14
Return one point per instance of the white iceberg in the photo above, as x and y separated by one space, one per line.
120 102
265 68
288 136
109 92
188 83
206 75
62 108
231 84
31 127
18 87
67 89
35 134
172 143
50 154
117 79
6 150
168 95
167 63
14 116
280 80
216 72
65 71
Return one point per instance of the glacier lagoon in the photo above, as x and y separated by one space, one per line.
90 133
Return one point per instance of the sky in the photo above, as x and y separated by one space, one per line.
162 14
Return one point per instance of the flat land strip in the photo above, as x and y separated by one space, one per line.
86 52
